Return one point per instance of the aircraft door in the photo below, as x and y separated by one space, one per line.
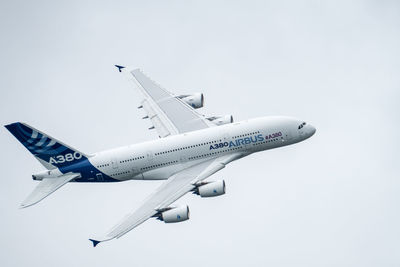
287 136
183 158
150 156
99 177
135 170
301 131
227 137
136 173
114 163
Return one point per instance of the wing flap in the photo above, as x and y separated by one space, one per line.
168 113
46 187
163 128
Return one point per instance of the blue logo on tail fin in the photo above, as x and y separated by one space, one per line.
45 147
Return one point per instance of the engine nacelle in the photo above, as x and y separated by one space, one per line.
211 189
195 101
221 120
174 215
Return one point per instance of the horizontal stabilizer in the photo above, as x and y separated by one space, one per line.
46 187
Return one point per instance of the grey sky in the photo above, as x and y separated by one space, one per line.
329 201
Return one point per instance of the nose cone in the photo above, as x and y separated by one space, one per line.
310 130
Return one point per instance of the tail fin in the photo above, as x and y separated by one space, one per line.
50 152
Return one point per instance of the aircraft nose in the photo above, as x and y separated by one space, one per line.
311 130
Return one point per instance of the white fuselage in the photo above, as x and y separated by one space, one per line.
159 159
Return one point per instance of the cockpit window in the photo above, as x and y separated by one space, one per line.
301 125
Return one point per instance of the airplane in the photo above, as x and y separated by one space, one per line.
191 147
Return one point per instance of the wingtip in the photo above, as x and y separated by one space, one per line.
95 242
10 125
26 205
119 67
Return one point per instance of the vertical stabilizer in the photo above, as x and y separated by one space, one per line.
50 152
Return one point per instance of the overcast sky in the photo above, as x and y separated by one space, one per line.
332 200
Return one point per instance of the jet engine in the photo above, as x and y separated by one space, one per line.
211 189
176 214
221 120
196 100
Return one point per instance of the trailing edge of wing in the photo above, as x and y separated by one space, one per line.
170 191
168 114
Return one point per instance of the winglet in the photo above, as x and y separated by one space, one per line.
119 67
95 242
22 206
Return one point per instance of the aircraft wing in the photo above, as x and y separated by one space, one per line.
175 187
168 113
46 187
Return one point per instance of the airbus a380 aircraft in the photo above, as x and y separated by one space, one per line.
191 148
